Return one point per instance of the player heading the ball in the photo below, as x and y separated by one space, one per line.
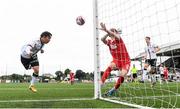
29 57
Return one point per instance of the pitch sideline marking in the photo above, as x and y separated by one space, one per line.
47 100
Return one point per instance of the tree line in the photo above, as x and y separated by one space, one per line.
60 76
79 74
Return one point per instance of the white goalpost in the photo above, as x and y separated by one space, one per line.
97 91
158 19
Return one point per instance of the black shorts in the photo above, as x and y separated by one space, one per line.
162 75
151 62
28 63
134 75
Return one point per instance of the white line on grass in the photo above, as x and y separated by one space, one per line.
45 88
126 103
47 100
146 97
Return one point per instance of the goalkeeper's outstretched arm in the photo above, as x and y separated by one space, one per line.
103 39
112 32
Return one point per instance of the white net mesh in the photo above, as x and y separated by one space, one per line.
159 19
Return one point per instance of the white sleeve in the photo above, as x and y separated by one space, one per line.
154 45
145 49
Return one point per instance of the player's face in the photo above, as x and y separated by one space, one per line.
45 40
147 40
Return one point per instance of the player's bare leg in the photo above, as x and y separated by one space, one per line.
144 75
166 79
153 78
72 82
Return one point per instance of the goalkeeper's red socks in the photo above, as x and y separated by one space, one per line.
106 74
119 82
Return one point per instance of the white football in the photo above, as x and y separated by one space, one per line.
80 20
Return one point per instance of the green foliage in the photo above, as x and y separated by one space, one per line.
16 77
79 74
67 71
59 75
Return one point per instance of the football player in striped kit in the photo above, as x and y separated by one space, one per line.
29 57
150 59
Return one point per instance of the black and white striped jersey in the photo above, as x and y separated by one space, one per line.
150 50
31 49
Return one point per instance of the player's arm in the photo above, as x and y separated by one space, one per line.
157 49
144 54
29 48
117 36
110 33
103 39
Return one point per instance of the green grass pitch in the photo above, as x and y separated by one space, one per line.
161 95
79 95
51 95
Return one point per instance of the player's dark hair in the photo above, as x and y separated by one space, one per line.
46 34
148 37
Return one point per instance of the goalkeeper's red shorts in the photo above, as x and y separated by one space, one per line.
122 64
165 76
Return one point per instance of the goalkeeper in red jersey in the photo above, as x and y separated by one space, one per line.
121 59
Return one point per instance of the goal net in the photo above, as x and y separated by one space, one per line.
158 19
